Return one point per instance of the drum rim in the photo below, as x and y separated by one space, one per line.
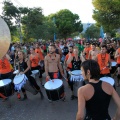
6 84
53 89
74 74
20 82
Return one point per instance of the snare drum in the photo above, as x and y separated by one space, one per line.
76 75
113 65
108 80
6 87
19 81
54 89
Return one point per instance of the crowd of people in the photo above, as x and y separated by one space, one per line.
57 59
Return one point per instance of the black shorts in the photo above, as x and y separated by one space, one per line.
118 65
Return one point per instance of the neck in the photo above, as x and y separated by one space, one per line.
93 80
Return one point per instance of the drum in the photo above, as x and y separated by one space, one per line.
16 72
108 80
19 81
6 87
34 73
54 89
113 65
76 75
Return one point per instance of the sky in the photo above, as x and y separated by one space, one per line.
83 8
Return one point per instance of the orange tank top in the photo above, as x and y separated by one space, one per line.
118 58
40 53
34 61
5 66
87 50
103 62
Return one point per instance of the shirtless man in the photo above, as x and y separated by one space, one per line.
53 67
93 53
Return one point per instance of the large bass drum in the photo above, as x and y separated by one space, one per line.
54 89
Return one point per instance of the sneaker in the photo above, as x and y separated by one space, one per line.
18 96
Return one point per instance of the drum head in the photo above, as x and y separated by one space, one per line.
15 72
113 63
18 79
108 80
52 85
35 71
76 72
4 82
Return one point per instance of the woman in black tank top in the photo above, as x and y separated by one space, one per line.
96 95
24 68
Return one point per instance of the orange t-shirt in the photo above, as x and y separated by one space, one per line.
87 50
34 61
66 58
103 62
38 50
5 66
118 58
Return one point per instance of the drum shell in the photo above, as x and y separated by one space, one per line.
114 68
55 94
30 88
7 90
76 86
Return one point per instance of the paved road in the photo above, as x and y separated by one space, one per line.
36 109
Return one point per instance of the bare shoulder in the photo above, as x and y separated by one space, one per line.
86 88
107 88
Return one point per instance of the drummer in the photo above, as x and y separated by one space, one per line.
24 68
76 63
53 67
117 56
93 52
35 58
104 62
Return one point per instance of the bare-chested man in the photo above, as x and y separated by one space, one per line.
53 68
93 53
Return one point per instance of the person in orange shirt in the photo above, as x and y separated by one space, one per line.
103 60
117 56
5 68
39 51
87 50
34 62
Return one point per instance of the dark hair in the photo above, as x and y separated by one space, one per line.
32 48
94 68
71 46
104 46
52 45
94 44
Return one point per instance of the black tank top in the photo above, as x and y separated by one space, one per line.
97 106
23 67
76 64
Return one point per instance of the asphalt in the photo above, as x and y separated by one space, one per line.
36 109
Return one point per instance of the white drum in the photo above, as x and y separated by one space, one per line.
113 64
76 75
54 89
6 87
19 81
16 72
108 80
34 73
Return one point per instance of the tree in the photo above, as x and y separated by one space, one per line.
107 13
66 23
93 32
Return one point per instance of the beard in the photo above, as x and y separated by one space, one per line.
71 52
51 52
